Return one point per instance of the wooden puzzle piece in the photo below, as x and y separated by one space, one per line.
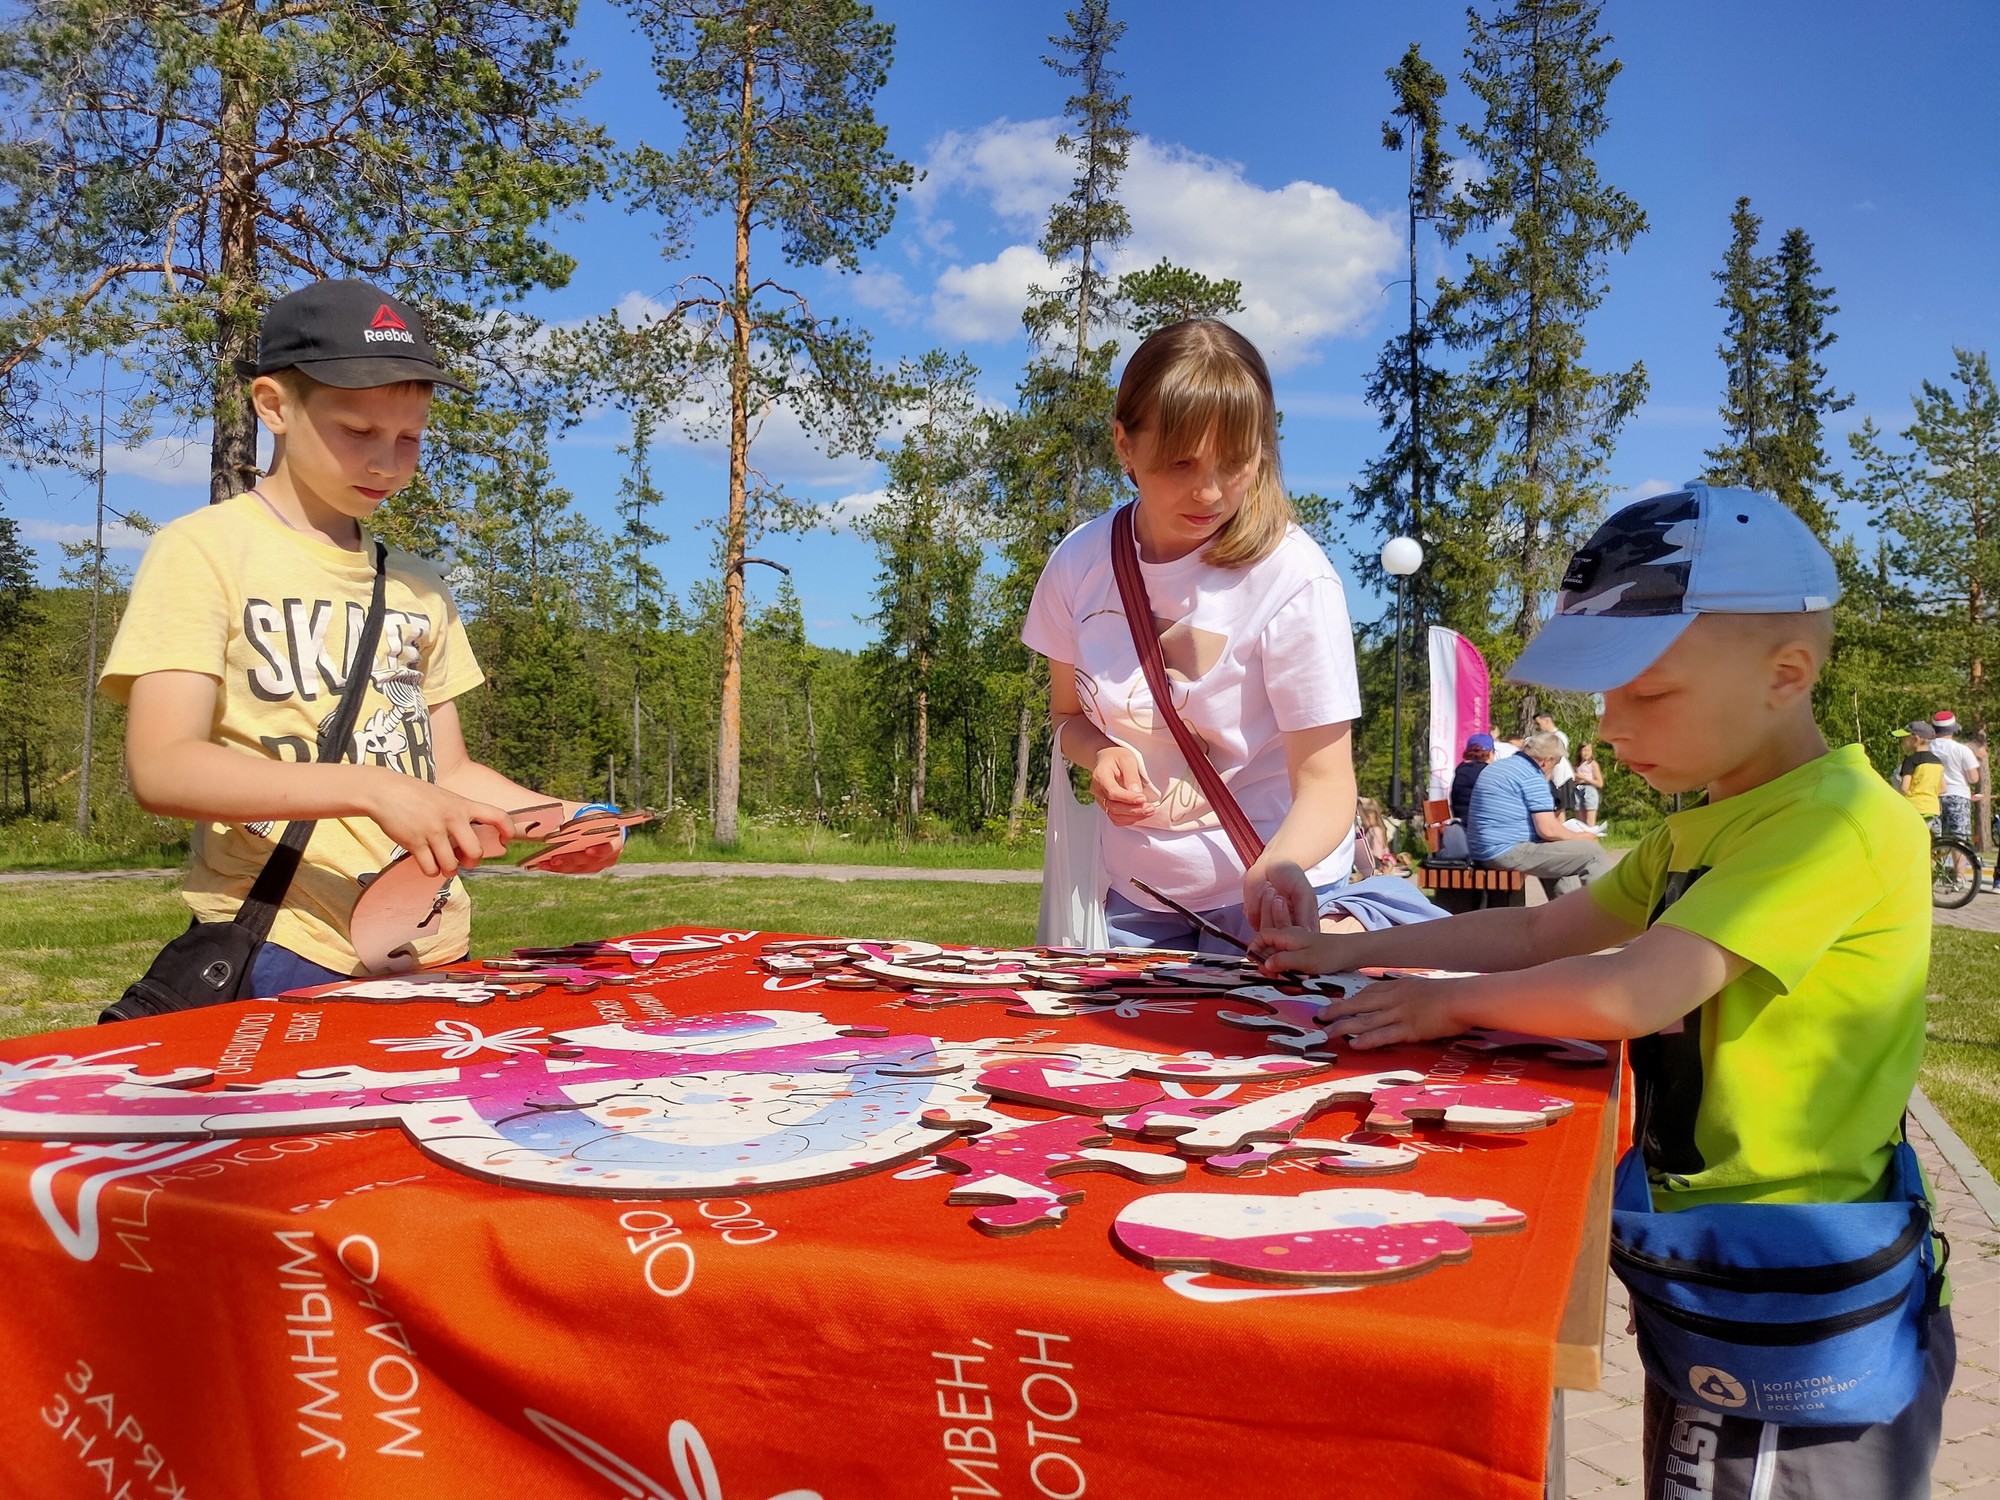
401 905
1326 1237
1273 1118
1502 1107
460 989
1010 1168
1346 1157
1066 1087
1563 1051
1291 1021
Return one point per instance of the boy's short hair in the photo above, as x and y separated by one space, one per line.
1654 566
352 335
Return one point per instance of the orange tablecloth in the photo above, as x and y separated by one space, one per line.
314 1305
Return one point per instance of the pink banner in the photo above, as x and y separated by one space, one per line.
1461 703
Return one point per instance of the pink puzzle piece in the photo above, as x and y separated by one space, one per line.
1333 1236
1010 1170
1505 1107
1350 1158
1065 1087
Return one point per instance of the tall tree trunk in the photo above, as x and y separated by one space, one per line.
1023 743
729 740
921 763
232 454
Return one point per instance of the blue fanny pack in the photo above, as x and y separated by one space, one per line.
1803 1314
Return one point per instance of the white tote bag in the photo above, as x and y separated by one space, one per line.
1073 878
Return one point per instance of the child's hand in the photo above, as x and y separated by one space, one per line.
586 858
1393 1010
1279 896
1118 783
443 831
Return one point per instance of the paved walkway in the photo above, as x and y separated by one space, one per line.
1602 1430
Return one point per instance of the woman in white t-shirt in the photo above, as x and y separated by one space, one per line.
1253 625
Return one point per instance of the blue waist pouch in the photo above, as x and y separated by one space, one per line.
1802 1314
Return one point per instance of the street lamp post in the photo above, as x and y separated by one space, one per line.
1401 556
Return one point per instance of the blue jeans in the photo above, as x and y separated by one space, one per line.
275 970
1377 902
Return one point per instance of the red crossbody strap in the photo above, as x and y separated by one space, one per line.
1139 615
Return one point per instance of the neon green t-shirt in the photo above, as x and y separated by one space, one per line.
1789 1084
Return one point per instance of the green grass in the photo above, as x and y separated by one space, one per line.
67 948
141 843
1962 1063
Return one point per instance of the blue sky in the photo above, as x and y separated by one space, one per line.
1870 126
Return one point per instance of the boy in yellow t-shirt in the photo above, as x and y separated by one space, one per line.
238 641
1921 775
1766 949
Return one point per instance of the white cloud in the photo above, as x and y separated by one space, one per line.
118 537
1311 263
887 293
983 302
1332 406
842 514
163 460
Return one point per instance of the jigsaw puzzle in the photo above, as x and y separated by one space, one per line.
1331 1236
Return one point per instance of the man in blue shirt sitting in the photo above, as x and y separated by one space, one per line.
1512 822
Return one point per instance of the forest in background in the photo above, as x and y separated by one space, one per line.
147 225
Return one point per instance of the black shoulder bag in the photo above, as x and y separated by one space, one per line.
210 962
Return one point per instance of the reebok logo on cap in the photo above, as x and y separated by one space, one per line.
386 325
1643 576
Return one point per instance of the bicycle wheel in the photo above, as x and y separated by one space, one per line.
1954 874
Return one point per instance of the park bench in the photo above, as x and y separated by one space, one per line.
1464 887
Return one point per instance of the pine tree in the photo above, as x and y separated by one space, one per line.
636 536
1938 502
167 167
1060 469
1398 491
1802 400
1535 424
1749 396
925 535
777 100
1166 293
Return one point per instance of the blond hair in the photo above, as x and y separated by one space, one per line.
1201 376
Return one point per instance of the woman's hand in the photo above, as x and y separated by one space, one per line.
1119 785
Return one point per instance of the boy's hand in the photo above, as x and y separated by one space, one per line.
1119 785
1393 1010
442 831
585 858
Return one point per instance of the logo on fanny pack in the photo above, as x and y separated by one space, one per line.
1717 1387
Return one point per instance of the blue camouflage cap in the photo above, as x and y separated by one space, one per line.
1643 576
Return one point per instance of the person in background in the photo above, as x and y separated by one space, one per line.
1478 756
1514 825
1961 775
1505 746
1920 777
1589 783
1563 778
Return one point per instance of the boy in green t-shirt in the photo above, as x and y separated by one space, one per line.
1765 949
240 636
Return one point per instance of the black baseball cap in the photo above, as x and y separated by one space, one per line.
351 335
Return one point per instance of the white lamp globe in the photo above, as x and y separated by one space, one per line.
1402 556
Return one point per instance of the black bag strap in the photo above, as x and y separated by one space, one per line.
1139 615
336 737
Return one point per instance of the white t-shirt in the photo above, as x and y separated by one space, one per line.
1961 766
1252 652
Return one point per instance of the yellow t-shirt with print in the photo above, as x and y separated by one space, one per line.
272 615
1789 1084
